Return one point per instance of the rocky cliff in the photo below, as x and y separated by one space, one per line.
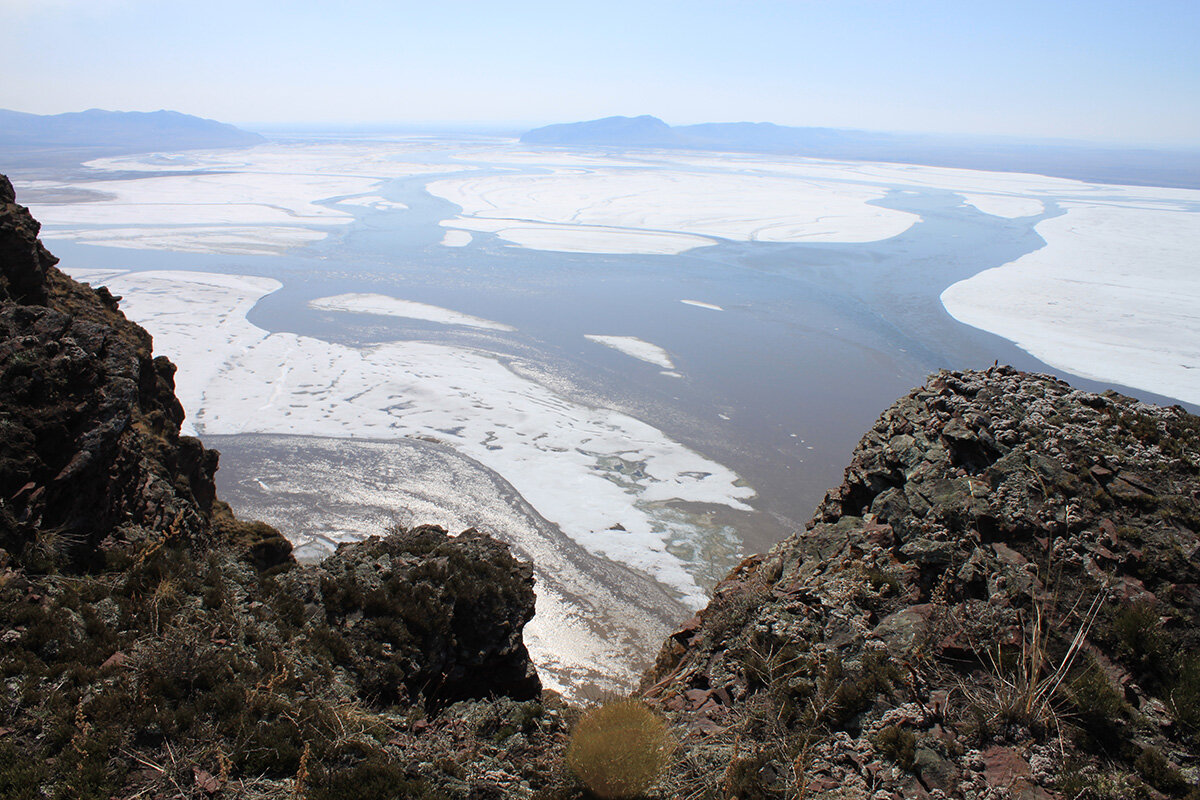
90 450
1000 600
152 645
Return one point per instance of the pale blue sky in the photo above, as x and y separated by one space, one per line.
1100 70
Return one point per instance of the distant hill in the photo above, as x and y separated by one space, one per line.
30 139
1080 161
643 131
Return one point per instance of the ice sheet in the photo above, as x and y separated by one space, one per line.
1112 296
606 479
410 309
727 204
261 199
224 239
584 238
227 198
633 346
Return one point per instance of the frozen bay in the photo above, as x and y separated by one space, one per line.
503 317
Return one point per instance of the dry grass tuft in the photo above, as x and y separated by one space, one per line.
618 750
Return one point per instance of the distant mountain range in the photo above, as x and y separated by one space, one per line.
37 139
1105 164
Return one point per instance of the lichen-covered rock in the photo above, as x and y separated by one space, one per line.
1001 597
428 617
89 423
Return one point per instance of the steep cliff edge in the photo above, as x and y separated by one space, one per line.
89 424
152 645
1001 599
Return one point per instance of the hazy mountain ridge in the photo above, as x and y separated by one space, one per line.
34 139
1098 163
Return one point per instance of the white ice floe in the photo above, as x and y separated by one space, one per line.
554 211
633 346
1002 205
700 304
221 199
1112 296
373 201
569 238
585 469
456 238
385 305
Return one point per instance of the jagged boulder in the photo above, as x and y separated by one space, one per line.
428 617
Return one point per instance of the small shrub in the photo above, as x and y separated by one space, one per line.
1099 710
619 749
1138 637
743 779
1154 768
374 778
898 744
850 692
1184 694
20 776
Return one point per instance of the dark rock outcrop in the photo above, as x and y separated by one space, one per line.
89 423
1002 596
429 616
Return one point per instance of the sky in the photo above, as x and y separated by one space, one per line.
1100 70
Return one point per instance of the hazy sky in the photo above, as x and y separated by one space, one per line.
1097 70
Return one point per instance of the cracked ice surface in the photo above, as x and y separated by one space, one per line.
588 470
1112 296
